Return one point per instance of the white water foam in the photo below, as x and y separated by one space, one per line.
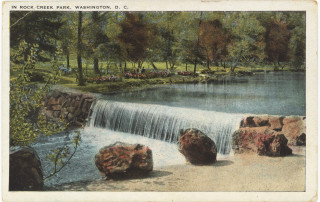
163 122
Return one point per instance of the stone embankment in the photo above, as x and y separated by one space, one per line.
71 107
265 134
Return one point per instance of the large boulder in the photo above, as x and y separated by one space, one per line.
245 139
261 140
25 173
197 148
293 128
124 160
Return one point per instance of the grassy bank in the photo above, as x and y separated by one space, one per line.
130 84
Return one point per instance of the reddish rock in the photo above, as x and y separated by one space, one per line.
261 140
292 129
245 139
301 140
121 160
290 119
279 146
275 123
248 122
262 143
25 172
261 121
197 148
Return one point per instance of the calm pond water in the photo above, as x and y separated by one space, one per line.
274 93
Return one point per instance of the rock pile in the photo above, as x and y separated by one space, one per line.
292 127
124 160
198 148
270 135
72 107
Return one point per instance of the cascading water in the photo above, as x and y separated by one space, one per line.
163 122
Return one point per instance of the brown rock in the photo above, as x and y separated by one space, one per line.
77 112
275 123
261 121
248 122
261 140
290 119
293 129
124 160
70 116
301 140
245 139
25 172
279 146
56 107
197 148
52 101
71 109
76 104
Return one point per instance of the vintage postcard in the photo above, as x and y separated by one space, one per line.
159 100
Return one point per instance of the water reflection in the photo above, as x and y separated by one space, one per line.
278 93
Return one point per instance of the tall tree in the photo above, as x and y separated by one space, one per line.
67 35
96 37
135 37
79 51
213 41
277 41
39 28
247 43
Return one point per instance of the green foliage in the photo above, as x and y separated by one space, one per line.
61 156
247 43
26 101
112 40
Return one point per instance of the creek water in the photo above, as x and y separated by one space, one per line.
155 117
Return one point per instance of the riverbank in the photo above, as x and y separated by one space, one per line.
128 85
241 172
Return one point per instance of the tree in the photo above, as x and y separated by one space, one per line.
27 121
247 44
213 41
297 44
135 37
67 35
96 38
277 41
39 28
79 51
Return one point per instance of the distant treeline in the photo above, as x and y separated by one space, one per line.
227 39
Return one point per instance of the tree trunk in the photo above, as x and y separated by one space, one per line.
68 59
186 66
96 66
167 64
280 65
195 67
79 52
208 64
171 66
154 67
125 66
224 64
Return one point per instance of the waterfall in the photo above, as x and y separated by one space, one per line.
164 122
